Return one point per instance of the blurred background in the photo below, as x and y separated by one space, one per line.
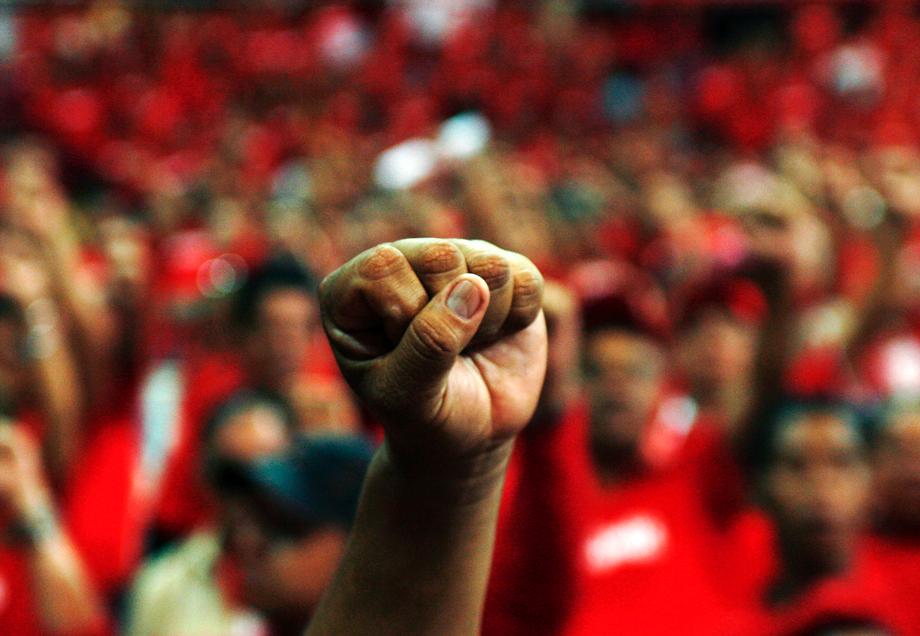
723 197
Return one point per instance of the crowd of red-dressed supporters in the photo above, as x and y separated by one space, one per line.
724 203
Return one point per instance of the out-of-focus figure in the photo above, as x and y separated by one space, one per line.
282 512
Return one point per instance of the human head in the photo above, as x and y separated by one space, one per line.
275 313
897 468
624 377
624 315
290 516
816 483
717 335
248 425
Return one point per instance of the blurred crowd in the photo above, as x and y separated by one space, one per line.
724 203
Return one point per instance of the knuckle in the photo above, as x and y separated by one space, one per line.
440 257
528 288
433 339
380 262
492 267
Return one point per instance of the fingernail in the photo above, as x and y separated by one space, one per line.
464 299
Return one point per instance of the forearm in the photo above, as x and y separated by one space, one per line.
418 560
55 373
88 324
64 596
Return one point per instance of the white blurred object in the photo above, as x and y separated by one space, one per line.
855 70
901 366
406 164
343 41
463 136
433 21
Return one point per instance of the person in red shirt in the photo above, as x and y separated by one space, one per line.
805 555
596 537
283 503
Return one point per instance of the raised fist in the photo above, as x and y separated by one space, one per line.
443 340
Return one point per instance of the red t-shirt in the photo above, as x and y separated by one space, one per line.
18 612
900 559
575 557
17 607
106 509
866 592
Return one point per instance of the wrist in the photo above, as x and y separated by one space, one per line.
34 527
43 323
452 480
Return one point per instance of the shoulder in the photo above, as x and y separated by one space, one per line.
170 573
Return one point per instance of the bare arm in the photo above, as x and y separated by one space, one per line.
419 557
400 318
87 324
65 598
52 362
873 313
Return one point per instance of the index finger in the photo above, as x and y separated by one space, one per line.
368 302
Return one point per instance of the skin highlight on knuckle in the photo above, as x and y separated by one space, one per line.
440 257
492 268
381 261
528 289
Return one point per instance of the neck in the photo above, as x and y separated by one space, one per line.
895 527
799 571
615 464
729 402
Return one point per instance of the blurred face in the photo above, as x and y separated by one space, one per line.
716 352
254 433
287 576
625 374
897 472
281 341
818 489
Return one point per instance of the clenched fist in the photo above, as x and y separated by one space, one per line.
443 340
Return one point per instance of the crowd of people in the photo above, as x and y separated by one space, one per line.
723 204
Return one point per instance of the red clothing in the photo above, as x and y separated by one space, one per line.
18 612
901 560
866 592
208 381
183 504
106 508
17 607
576 557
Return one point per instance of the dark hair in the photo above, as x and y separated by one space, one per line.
767 430
216 467
280 272
239 402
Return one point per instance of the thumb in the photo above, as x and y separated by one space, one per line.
424 356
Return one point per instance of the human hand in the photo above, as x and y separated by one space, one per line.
443 340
